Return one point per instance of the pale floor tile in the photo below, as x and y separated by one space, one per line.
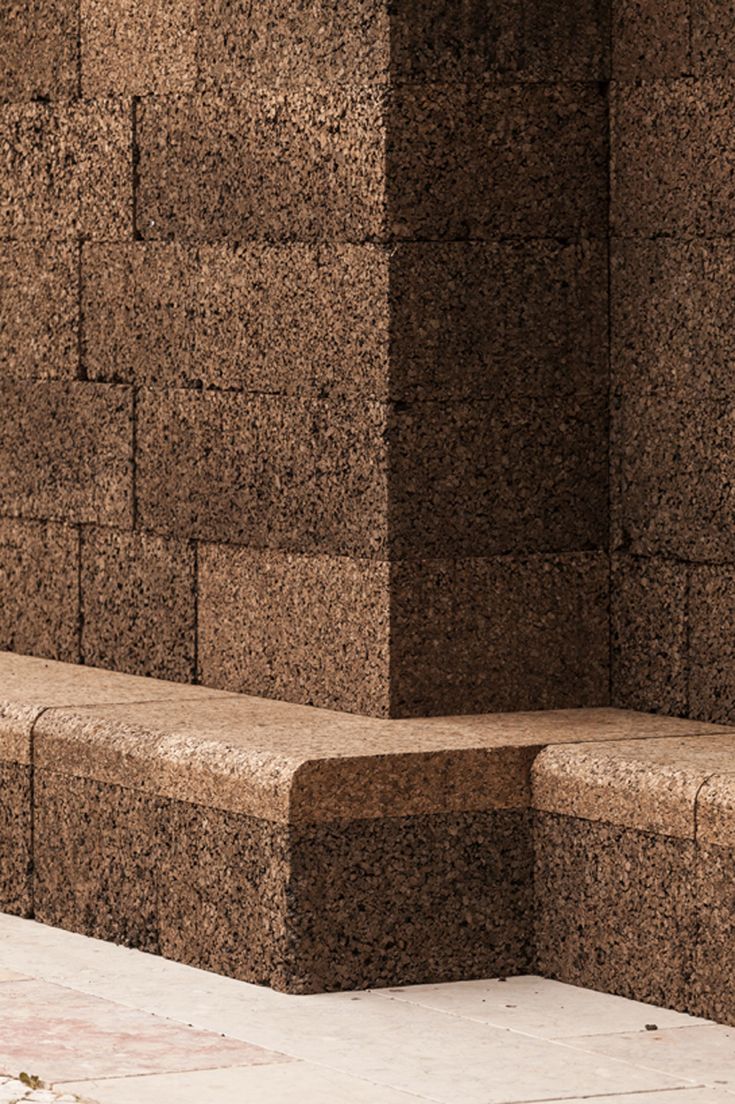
15 1092
63 1035
12 975
536 1006
702 1095
285 1084
705 1055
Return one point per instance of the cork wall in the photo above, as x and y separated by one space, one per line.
673 265
304 339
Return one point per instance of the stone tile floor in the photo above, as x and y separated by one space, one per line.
85 1020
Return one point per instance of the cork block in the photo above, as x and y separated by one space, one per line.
314 160
268 471
673 316
66 170
138 595
614 909
293 43
39 589
488 477
39 49
313 629
491 319
650 39
16 832
677 461
711 988
39 311
566 40
136 47
461 162
502 633
711 650
294 318
713 38
672 158
649 634
65 452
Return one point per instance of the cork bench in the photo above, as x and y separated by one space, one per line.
635 870
286 845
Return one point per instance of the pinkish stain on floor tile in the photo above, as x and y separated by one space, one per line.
76 1037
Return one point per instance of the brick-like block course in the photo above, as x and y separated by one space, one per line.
491 319
312 629
303 164
480 478
268 471
288 318
135 47
138 602
66 452
39 311
39 589
481 160
39 40
649 634
504 633
66 169
711 646
650 39
673 158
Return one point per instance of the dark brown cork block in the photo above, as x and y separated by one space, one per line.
498 319
39 311
39 589
649 653
504 633
95 857
312 629
138 595
613 909
137 47
66 169
565 40
65 452
39 49
15 839
304 164
713 38
677 476
480 478
673 152
712 988
711 647
294 318
303 475
650 39
546 146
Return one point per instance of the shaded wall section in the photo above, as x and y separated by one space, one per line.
673 445
305 347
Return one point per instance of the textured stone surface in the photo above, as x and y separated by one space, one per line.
650 39
292 318
267 471
649 654
66 170
677 476
314 163
39 589
65 452
38 311
482 478
711 647
647 785
498 319
442 138
95 854
420 899
39 49
135 47
313 629
502 633
673 158
15 839
138 595
613 909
